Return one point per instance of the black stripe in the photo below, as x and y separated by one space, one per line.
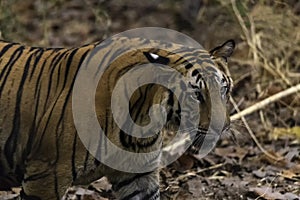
209 62
56 182
33 131
147 142
170 114
204 56
126 182
36 124
74 173
126 140
194 86
37 95
189 66
135 109
130 196
6 48
187 52
72 83
66 103
11 144
58 75
170 102
195 72
24 196
140 103
118 52
120 72
38 81
57 135
105 58
64 109
179 59
56 148
198 78
52 66
86 159
38 145
97 162
37 176
9 65
154 194
39 53
68 66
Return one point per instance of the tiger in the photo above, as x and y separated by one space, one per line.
39 146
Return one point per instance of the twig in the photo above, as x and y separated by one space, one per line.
252 134
240 20
199 171
210 168
266 102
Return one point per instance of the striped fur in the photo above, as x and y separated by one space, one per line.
39 146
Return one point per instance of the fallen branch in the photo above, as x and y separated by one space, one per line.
266 102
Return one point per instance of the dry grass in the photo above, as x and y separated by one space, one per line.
272 33
273 37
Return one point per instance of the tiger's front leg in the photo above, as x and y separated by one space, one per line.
136 186
45 181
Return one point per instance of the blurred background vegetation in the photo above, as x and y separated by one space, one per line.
267 33
266 60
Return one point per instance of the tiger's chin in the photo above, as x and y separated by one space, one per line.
205 140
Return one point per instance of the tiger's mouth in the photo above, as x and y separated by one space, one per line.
198 141
209 137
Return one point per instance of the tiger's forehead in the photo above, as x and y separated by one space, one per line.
185 59
163 48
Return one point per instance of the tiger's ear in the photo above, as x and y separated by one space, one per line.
225 50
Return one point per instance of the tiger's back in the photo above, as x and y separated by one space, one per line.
39 145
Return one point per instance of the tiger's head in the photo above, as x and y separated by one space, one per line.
204 91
